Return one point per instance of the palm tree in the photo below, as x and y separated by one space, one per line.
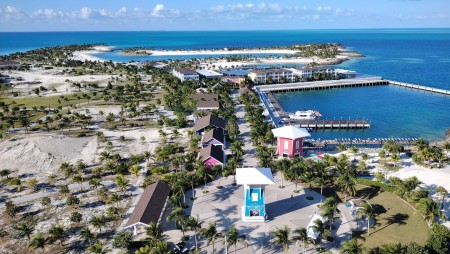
98 222
58 233
178 216
38 242
78 178
98 248
368 211
352 247
154 233
443 193
392 248
354 150
319 227
192 179
194 224
87 235
322 180
329 210
281 237
161 247
25 229
5 172
134 170
17 182
428 208
147 156
232 238
341 147
122 183
211 234
115 198
301 235
95 182
347 184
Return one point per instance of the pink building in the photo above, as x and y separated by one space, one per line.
212 155
290 140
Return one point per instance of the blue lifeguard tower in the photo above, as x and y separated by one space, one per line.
254 181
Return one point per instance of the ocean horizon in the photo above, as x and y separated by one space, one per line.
413 55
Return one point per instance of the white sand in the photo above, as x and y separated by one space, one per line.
219 52
54 79
85 55
39 156
431 177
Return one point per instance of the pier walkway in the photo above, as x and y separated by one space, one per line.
417 87
314 143
356 82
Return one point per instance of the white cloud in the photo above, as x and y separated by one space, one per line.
156 12
12 13
85 13
48 14
316 17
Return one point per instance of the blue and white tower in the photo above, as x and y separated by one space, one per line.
254 181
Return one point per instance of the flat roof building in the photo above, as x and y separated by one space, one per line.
207 74
185 74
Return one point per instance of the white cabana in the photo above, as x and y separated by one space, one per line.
290 132
311 230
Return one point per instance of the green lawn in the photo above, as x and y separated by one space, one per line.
52 101
396 222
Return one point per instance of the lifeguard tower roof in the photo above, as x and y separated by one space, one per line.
261 176
290 132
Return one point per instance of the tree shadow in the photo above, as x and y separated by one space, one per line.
398 218
367 192
328 192
359 235
379 209
224 193
93 204
222 217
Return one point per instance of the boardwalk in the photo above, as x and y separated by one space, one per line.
343 83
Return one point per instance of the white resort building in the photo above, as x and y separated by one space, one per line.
271 75
185 74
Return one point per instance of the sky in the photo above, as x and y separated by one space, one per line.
188 15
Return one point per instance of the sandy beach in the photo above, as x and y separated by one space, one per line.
219 52
86 55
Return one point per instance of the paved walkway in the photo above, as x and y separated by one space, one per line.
284 207
249 158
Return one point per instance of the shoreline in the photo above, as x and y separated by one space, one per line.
86 55
219 52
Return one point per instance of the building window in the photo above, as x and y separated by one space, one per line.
286 144
254 196
297 144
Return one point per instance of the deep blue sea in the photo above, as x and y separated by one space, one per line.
420 56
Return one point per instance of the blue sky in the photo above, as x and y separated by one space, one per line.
95 15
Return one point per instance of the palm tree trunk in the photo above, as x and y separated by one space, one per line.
368 224
195 237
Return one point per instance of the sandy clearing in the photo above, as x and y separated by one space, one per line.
54 79
39 156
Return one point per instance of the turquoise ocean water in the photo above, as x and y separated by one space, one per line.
420 56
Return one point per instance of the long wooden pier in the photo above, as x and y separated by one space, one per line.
320 85
343 83
359 141
422 88
331 124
